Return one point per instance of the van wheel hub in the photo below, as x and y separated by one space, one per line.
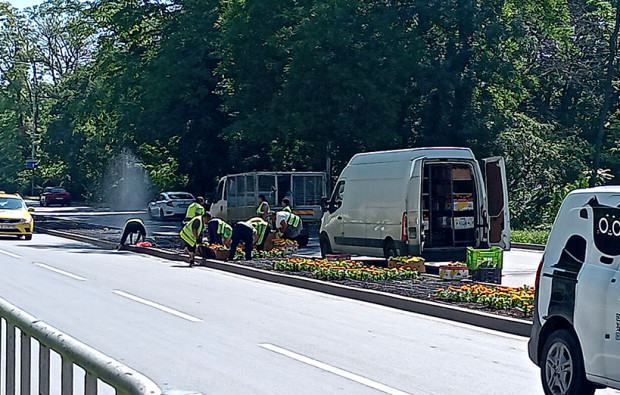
559 368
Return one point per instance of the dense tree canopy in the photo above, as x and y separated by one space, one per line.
193 89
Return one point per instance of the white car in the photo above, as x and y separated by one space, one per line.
170 204
576 334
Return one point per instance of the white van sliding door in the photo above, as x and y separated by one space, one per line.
497 202
416 203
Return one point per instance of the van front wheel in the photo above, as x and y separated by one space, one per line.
390 250
326 247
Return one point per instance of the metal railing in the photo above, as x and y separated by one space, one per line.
96 365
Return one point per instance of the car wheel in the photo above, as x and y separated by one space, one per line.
150 213
326 247
561 368
161 215
43 203
389 250
28 237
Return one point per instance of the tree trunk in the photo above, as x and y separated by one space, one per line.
608 95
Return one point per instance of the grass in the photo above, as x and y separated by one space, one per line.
530 236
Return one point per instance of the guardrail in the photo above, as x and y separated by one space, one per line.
96 365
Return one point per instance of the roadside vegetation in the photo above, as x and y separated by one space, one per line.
531 236
194 89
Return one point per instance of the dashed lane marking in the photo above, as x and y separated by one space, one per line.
64 273
157 306
332 369
10 254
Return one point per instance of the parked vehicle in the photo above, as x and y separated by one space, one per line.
236 197
576 333
170 204
15 218
423 201
55 195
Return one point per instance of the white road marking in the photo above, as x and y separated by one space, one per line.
10 254
64 273
157 306
332 369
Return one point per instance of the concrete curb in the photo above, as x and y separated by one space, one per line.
527 246
434 309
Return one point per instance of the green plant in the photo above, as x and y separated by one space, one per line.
530 236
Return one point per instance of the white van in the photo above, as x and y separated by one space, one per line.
236 196
576 333
432 201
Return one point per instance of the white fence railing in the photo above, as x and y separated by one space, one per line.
20 332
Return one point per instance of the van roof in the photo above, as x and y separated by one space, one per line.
412 153
607 189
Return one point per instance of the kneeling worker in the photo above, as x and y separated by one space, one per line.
191 234
133 226
251 232
219 232
287 223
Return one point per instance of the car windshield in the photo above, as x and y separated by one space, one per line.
181 196
10 204
58 190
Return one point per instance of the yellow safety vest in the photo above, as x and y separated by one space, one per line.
224 229
138 220
259 210
187 234
293 220
260 226
287 209
194 209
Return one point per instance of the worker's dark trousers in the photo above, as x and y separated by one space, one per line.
132 227
242 232
213 236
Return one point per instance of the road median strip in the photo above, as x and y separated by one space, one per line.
454 313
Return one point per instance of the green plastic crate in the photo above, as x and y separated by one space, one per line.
491 258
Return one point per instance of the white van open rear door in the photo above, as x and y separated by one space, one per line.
497 202
414 226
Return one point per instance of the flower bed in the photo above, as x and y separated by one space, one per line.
521 298
342 269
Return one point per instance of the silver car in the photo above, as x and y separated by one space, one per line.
170 204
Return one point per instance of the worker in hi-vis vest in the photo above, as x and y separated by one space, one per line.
133 226
286 205
219 232
262 210
253 232
288 224
196 208
191 234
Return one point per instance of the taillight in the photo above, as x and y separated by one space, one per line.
169 204
404 227
540 265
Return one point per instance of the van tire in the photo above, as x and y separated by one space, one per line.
326 247
563 346
389 250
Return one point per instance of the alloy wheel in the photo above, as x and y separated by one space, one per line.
559 368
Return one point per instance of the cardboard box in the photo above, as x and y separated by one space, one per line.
462 204
453 272
461 173
222 254
419 265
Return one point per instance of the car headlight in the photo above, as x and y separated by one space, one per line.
25 220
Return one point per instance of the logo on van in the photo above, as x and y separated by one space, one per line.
606 226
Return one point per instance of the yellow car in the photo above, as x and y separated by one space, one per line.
15 218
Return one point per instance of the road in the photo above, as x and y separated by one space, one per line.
199 329
519 265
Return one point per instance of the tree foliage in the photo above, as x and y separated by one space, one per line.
196 89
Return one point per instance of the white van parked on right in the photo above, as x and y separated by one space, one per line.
576 333
433 200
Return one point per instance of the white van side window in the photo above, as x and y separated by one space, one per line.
338 194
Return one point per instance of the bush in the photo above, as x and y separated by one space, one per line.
530 236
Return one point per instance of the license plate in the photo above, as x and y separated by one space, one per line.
3 226
59 198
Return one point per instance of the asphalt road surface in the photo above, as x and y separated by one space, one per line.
200 329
